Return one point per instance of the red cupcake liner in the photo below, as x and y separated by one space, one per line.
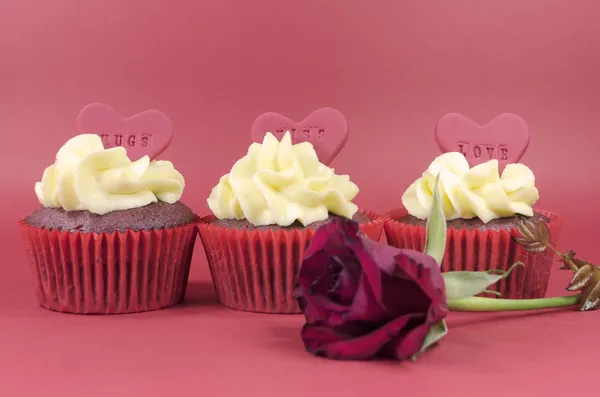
256 270
109 273
476 250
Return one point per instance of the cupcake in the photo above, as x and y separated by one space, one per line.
483 209
265 212
111 235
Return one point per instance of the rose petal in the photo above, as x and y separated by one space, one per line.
318 309
407 344
344 287
362 298
364 248
320 239
312 269
314 282
351 228
342 231
403 296
331 246
314 303
408 281
424 270
382 254
316 312
326 306
325 341
365 306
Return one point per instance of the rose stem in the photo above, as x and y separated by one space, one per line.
478 304
569 262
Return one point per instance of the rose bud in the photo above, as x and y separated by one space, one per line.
364 299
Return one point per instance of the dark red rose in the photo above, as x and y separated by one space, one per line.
364 299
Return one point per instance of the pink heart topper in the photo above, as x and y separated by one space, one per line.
147 133
505 138
325 128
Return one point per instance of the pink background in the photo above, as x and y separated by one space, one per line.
393 68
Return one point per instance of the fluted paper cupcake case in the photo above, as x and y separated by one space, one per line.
255 270
476 250
109 273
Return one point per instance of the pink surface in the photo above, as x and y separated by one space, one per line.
147 133
505 138
393 69
326 129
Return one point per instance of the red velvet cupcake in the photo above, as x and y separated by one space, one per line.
265 212
111 236
483 210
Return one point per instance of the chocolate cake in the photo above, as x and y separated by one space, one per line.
476 223
157 215
359 217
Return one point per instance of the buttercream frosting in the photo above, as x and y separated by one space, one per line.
467 192
278 183
86 176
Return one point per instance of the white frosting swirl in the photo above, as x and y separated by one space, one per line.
279 183
88 177
473 192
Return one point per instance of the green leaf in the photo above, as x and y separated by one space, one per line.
435 334
461 285
435 241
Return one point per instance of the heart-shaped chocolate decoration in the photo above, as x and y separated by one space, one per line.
325 128
147 133
505 138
